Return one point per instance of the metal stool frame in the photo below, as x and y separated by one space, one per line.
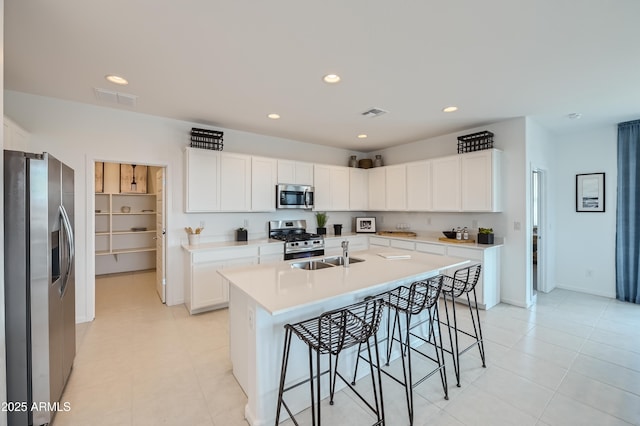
464 281
329 334
411 301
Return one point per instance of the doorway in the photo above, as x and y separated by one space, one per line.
537 231
130 221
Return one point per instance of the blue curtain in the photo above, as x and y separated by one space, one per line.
628 213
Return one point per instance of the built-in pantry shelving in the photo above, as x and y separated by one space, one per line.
124 224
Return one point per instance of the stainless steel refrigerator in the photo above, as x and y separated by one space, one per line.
39 284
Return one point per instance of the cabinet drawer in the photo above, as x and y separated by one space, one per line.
377 241
465 253
431 248
404 245
224 254
273 248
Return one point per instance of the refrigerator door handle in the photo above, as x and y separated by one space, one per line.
68 233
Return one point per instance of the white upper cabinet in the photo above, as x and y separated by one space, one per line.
358 189
235 182
445 186
264 176
396 187
419 186
295 172
202 180
377 189
331 189
480 180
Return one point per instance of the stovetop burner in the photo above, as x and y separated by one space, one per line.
297 236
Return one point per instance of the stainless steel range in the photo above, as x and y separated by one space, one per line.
298 243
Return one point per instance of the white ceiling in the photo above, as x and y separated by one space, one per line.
230 63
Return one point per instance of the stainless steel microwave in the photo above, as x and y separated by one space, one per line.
294 196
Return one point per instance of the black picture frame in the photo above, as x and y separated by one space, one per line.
590 193
366 225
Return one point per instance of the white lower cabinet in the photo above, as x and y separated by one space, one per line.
333 245
205 289
488 287
272 252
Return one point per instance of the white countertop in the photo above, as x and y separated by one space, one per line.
279 288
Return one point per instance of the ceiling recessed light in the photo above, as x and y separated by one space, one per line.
331 78
450 109
274 116
362 136
116 79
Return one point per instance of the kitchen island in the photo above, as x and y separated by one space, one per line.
263 298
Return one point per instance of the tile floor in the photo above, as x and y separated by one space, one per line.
573 359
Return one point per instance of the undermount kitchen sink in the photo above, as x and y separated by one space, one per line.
328 262
311 265
339 260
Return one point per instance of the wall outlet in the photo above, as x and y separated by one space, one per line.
246 223
589 273
202 224
428 221
474 224
516 226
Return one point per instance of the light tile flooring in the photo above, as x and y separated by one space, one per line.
573 359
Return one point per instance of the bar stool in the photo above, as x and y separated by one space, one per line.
408 302
464 281
330 334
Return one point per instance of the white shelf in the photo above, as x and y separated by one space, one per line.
114 234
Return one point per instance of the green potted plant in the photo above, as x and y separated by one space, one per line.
321 218
485 236
241 234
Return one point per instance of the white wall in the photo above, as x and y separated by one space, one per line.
585 242
80 134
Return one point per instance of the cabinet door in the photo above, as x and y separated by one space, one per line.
208 287
322 190
479 192
202 180
358 189
396 187
304 173
446 183
331 191
263 184
235 182
339 188
295 172
377 189
286 171
419 186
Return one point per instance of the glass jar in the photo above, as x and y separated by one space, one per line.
353 162
378 161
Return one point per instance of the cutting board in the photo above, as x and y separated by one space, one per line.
397 233
453 240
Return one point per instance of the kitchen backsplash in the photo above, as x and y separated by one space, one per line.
222 226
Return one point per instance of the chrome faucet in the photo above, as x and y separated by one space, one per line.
345 253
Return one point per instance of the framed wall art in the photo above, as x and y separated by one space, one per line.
590 192
366 224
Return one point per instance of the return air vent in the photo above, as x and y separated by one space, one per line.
374 112
115 97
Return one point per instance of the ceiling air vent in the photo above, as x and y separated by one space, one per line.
115 97
374 112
